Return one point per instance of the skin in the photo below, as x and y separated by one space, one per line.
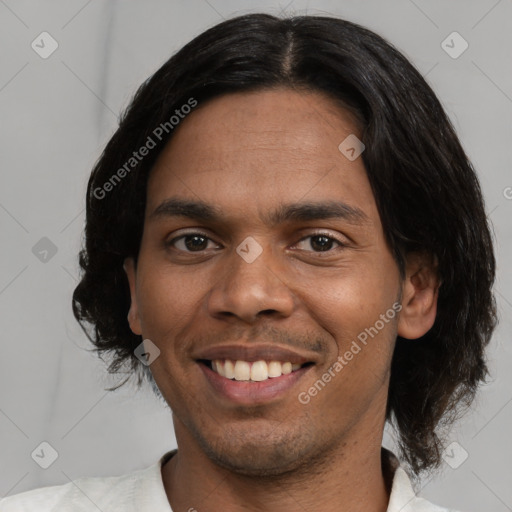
248 153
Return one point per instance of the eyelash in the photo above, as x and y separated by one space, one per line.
341 245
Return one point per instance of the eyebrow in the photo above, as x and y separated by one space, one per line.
201 211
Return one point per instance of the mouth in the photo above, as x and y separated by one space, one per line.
252 371
249 383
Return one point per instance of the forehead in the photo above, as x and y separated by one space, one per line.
244 116
259 149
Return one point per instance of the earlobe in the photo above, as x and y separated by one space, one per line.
133 313
420 292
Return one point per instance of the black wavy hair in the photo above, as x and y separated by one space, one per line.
427 193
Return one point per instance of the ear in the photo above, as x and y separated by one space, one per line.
419 296
133 313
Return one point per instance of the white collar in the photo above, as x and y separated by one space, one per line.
402 496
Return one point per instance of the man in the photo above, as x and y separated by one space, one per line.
286 229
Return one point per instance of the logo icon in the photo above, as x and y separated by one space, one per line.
249 249
454 455
146 352
44 250
44 45
454 45
45 455
351 147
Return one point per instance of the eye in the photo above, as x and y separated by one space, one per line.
321 242
197 242
191 242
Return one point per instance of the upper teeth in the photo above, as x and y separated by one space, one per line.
255 371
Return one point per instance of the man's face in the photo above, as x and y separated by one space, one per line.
317 284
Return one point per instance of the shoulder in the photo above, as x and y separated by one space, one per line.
84 494
402 497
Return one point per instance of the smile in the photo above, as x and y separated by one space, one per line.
249 383
252 371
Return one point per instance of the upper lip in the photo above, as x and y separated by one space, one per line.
253 353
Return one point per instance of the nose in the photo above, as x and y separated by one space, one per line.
251 290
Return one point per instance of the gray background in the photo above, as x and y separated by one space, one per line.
57 114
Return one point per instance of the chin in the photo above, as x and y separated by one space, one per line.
256 461
259 455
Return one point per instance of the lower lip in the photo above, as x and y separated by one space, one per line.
251 393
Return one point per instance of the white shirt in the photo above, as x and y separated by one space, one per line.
143 491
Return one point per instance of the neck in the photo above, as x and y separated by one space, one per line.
348 477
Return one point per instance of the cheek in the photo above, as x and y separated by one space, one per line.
169 290
356 309
358 365
169 300
348 301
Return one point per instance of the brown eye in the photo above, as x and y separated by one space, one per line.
320 243
192 242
